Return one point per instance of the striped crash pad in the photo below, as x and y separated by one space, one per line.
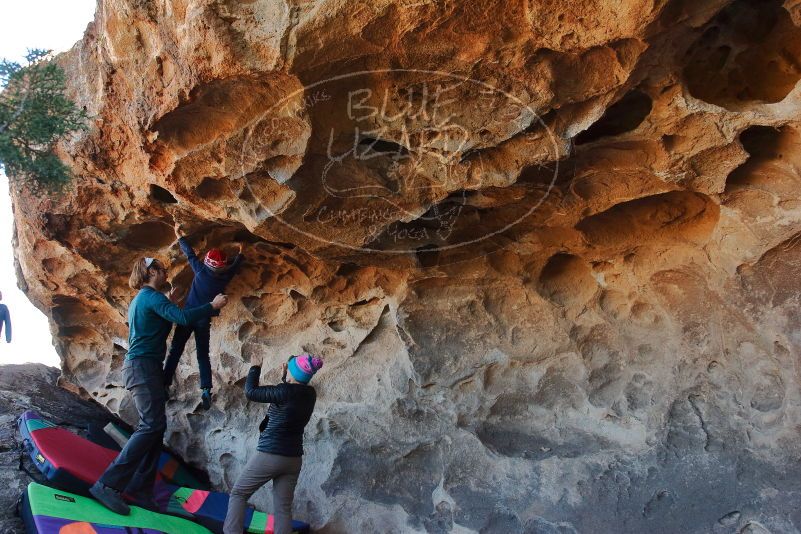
50 511
73 464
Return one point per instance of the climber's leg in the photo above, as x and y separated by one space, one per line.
258 471
284 493
179 338
202 336
138 460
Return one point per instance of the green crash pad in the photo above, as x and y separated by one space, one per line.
48 510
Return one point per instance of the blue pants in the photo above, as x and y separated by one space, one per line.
202 331
134 470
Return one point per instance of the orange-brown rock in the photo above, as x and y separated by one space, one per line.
549 250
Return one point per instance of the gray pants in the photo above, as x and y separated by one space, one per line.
135 468
263 467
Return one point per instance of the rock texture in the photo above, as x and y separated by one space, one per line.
33 387
549 250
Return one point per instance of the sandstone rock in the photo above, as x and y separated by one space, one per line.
548 250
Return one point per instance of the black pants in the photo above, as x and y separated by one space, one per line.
135 468
202 331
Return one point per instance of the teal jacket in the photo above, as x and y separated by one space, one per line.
150 319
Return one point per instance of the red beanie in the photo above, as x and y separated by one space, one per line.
216 259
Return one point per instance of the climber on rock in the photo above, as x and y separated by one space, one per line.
150 318
212 275
280 450
5 320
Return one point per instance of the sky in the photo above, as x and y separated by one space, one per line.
49 24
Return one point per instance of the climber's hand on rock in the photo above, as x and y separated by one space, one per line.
174 295
219 301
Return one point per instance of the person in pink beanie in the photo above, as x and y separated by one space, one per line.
279 454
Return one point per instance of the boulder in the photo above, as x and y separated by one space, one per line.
548 250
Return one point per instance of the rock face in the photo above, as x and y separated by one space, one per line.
548 250
33 387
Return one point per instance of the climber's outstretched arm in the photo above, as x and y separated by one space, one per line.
258 393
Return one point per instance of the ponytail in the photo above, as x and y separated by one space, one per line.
139 274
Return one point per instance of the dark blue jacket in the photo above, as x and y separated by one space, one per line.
5 319
290 410
207 284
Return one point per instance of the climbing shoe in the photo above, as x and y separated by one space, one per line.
110 498
205 397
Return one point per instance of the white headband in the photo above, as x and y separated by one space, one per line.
149 262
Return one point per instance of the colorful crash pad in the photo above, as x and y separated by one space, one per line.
73 463
51 511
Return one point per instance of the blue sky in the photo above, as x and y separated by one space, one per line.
57 25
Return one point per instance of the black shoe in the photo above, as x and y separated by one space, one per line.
110 498
205 398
